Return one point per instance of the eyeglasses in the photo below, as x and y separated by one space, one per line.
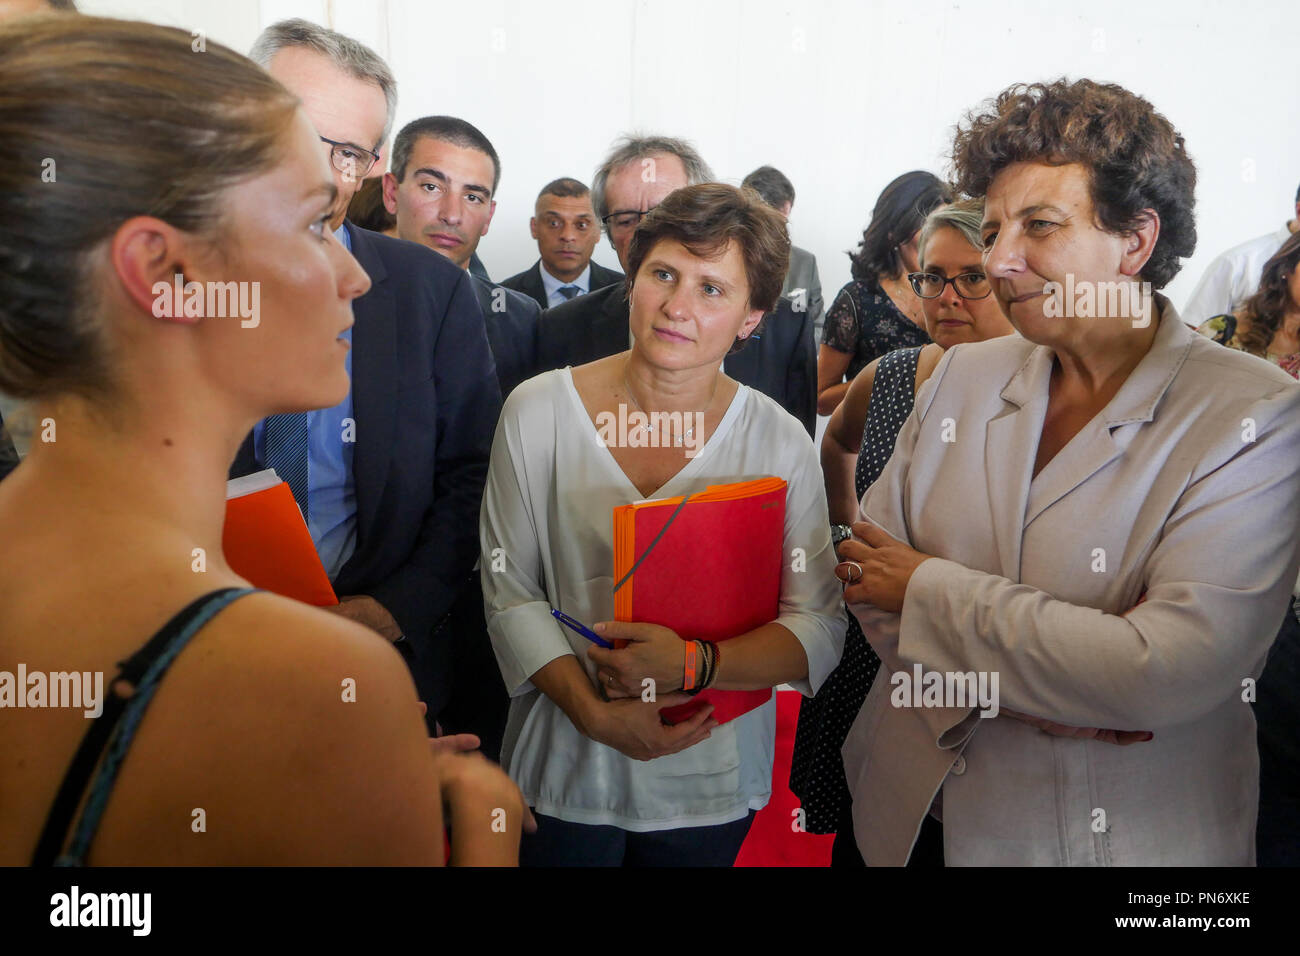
351 160
969 285
623 220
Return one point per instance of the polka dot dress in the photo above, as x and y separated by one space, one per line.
817 770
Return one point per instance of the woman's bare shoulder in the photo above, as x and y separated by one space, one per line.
291 654
297 732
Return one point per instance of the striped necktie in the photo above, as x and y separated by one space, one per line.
285 449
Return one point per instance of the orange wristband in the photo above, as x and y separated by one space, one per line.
688 681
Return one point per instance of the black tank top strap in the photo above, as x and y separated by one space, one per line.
115 728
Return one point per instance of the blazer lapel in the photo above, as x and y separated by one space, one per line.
374 384
1135 403
1009 443
536 288
1091 450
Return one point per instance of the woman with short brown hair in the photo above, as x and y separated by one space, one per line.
610 782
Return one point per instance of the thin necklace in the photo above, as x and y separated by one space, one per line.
903 292
646 427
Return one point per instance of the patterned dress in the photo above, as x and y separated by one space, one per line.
865 323
1223 329
817 769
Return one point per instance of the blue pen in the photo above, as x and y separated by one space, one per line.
586 632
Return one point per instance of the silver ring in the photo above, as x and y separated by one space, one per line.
851 564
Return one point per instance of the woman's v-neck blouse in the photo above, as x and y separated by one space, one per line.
547 542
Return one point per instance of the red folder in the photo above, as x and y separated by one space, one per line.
266 541
714 573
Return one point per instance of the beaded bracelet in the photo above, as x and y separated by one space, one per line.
715 659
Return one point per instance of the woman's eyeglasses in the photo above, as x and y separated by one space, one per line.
969 285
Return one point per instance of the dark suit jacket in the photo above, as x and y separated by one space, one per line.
425 399
476 267
779 360
529 281
511 321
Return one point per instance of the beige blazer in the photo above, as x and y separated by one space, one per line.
1185 489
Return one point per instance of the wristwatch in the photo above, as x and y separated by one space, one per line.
840 532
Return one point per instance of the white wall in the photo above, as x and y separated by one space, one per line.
840 95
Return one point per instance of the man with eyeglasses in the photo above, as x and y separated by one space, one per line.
565 226
390 480
779 360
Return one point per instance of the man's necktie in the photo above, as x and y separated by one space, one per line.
569 291
285 449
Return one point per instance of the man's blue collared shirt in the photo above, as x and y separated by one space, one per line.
552 284
332 493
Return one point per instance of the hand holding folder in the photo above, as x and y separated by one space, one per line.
266 540
708 566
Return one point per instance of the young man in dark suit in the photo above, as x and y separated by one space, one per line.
391 480
566 229
445 173
780 359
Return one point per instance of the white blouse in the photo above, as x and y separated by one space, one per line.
547 542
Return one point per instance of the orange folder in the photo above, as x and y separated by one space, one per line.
266 540
710 569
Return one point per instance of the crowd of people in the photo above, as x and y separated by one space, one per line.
1036 474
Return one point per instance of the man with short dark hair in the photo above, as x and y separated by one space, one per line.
566 229
1233 276
441 187
773 187
780 359
390 481
803 286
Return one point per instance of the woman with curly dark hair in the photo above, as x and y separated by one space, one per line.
1089 528
1268 325
878 311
